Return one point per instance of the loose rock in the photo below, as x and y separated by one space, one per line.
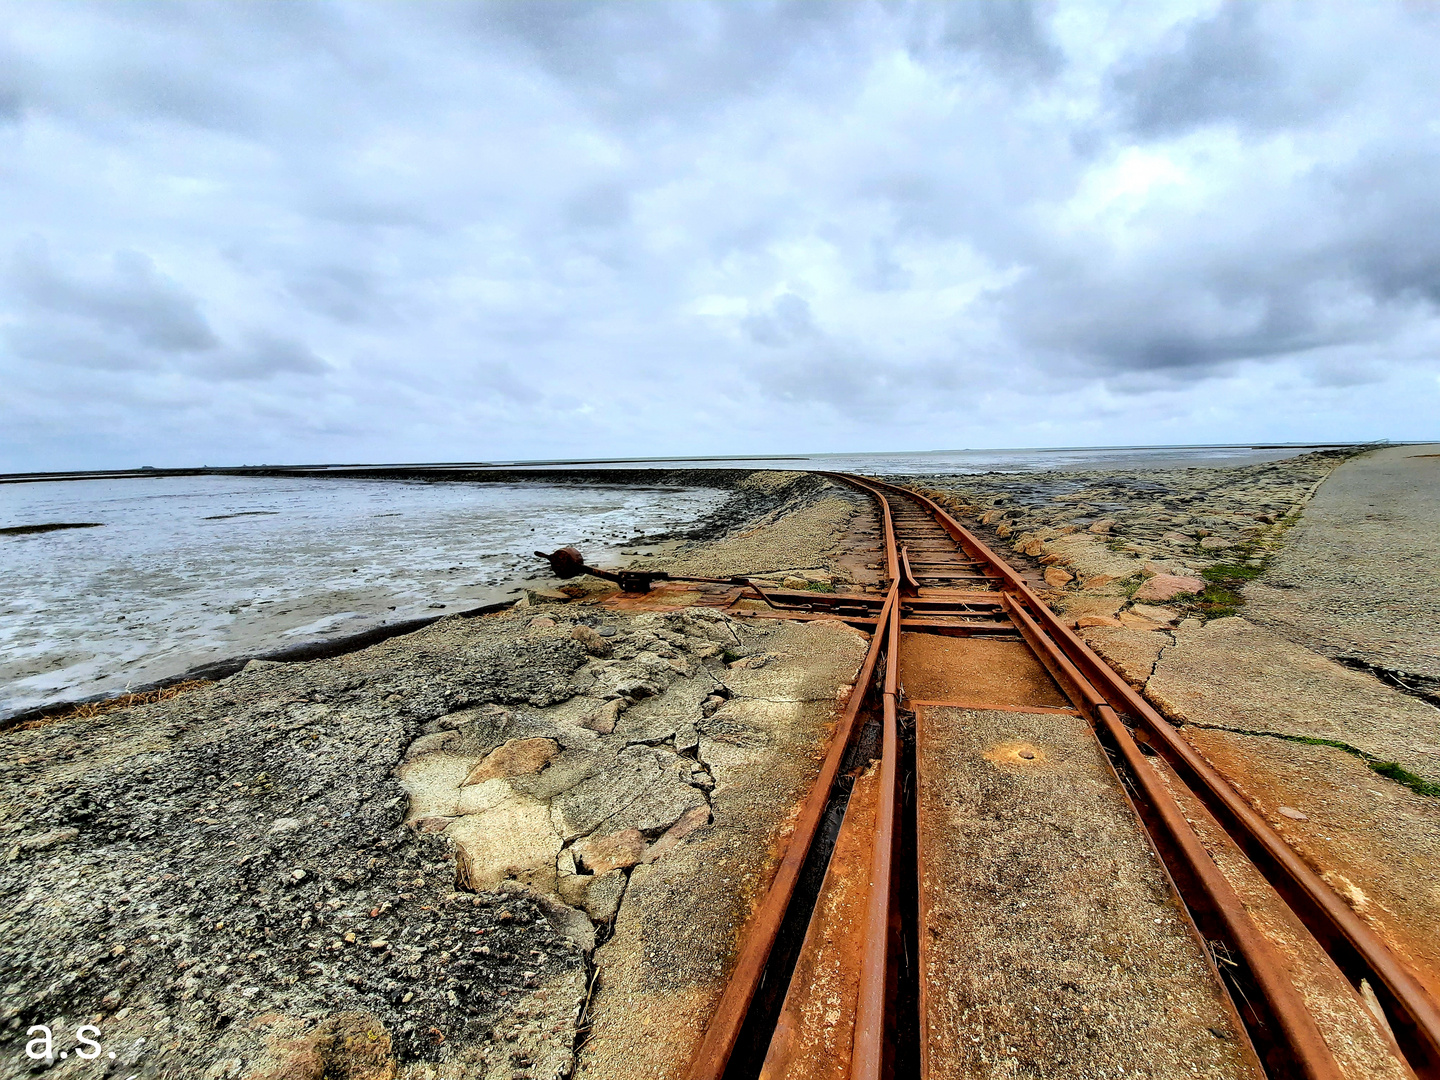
1056 578
1163 587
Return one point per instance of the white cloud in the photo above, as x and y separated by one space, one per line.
499 230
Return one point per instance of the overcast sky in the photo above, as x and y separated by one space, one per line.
263 232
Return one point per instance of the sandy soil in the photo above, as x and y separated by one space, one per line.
805 532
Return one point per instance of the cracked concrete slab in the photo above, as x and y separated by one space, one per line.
654 720
510 838
643 792
1131 652
1248 698
1229 673
515 788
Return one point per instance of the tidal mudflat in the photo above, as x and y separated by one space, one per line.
178 572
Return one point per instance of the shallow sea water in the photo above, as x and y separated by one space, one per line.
938 462
186 571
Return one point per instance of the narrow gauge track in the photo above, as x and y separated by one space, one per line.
861 830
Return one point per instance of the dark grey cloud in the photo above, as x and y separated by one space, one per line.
61 344
501 229
133 300
787 320
1353 258
1012 37
9 106
1389 204
500 380
1220 67
346 294
646 63
605 205
262 355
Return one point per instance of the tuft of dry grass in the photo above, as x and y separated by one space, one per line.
91 709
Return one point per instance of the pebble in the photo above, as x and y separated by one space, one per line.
1291 813
595 643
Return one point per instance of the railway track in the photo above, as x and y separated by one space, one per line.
855 918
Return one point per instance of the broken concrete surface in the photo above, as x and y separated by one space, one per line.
388 834
682 917
1362 1050
1129 651
1248 700
689 794
1228 673
239 871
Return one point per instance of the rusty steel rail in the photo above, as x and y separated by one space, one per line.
1264 997
718 1044
1356 949
867 1055
1297 1046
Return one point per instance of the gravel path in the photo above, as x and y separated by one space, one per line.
1359 577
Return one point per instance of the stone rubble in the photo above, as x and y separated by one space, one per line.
1186 517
